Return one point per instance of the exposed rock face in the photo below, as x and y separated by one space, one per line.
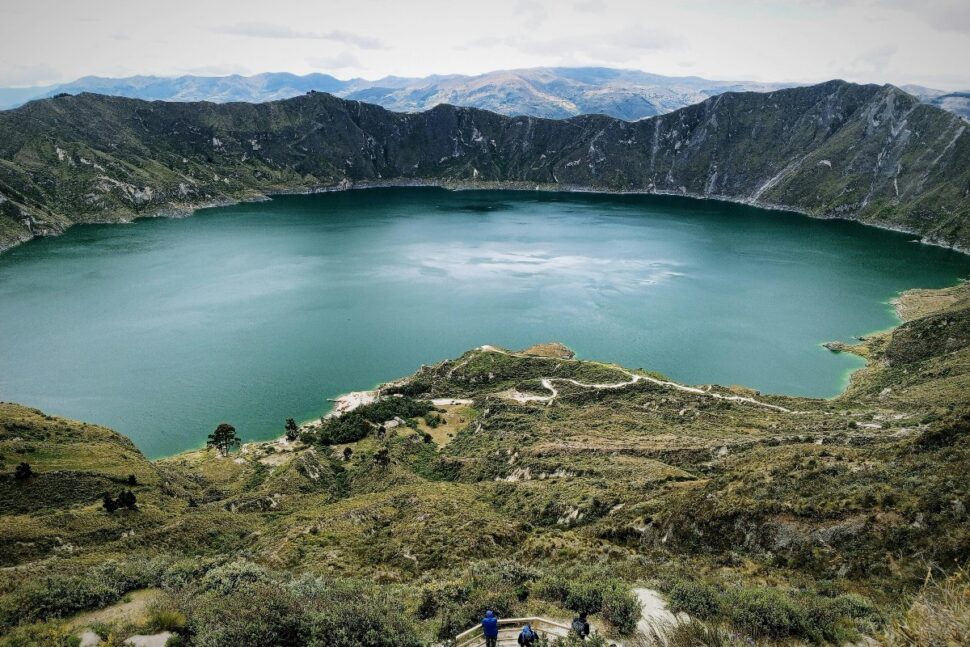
870 153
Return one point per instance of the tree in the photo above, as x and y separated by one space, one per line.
292 431
348 453
132 479
127 499
223 438
23 472
382 458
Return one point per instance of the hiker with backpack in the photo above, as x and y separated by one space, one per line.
527 637
580 626
490 628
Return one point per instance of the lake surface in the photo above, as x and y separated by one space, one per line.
254 313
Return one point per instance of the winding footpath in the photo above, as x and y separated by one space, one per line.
547 383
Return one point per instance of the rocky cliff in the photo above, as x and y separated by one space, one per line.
870 153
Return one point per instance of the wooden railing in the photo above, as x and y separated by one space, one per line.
508 631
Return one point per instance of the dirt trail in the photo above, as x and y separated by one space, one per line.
547 383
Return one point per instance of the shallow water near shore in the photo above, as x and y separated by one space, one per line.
257 312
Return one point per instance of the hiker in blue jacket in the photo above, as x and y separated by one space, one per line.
580 626
490 628
527 637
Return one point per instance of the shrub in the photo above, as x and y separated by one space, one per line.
163 619
552 587
621 608
48 635
572 640
938 615
764 612
946 431
308 611
357 424
233 576
688 634
584 597
23 471
230 616
695 598
183 572
62 594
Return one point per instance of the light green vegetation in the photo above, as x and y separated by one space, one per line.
815 521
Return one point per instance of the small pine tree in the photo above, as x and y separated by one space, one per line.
348 453
292 431
127 499
223 438
382 458
109 504
132 479
23 472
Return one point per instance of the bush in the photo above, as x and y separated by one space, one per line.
247 613
592 592
690 634
765 612
163 619
308 611
48 635
572 640
584 597
357 424
233 576
695 598
938 615
621 608
56 596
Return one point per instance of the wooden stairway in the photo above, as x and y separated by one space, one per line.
508 632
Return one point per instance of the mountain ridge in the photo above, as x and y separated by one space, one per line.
556 92
869 153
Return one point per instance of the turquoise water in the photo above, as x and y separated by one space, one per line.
254 313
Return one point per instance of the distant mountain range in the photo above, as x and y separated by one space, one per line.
551 92
538 92
865 152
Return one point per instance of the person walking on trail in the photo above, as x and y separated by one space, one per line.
527 637
490 628
580 626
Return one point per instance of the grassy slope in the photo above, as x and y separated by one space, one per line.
862 493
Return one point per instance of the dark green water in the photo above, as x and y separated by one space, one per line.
258 312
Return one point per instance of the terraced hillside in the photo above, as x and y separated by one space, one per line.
870 153
531 482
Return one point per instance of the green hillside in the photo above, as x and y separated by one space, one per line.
869 153
552 485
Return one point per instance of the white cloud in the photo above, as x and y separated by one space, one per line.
345 60
895 41
26 75
269 30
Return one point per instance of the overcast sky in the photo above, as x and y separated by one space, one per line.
925 42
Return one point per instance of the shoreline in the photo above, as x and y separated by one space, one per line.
186 210
349 401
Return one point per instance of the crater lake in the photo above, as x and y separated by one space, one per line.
258 312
